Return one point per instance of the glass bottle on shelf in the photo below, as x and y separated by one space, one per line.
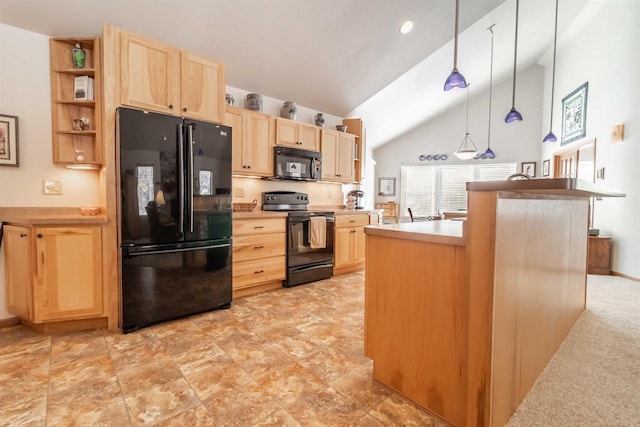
78 55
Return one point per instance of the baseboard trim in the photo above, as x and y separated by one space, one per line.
615 273
11 321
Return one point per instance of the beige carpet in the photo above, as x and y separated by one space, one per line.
594 377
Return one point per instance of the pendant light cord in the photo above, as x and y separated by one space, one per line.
490 86
466 126
553 78
455 39
515 57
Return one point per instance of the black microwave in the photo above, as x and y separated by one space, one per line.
296 164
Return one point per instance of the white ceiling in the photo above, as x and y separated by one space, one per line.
341 57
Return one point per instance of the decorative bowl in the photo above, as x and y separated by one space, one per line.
90 210
341 128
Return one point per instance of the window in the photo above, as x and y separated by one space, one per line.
431 189
144 179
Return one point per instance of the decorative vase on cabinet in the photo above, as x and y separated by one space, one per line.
289 110
319 119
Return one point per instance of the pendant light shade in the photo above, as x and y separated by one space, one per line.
514 115
455 79
467 149
489 154
550 137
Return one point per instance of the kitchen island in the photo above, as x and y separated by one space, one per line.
462 316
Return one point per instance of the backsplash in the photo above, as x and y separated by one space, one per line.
320 193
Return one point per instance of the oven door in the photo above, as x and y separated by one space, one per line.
304 263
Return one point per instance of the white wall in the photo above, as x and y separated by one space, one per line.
606 53
517 141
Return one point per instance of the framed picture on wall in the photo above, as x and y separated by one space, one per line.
574 114
9 140
545 168
386 186
528 168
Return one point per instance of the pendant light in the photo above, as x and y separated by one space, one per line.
550 137
514 115
467 149
455 79
489 154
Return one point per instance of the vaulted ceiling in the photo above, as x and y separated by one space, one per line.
342 57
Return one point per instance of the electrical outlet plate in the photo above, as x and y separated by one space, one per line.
238 191
52 187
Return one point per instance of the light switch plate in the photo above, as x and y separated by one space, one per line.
238 191
52 187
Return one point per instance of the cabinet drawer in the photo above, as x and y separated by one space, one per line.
352 220
254 272
243 227
260 246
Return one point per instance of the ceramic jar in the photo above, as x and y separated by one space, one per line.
289 110
319 120
229 99
253 102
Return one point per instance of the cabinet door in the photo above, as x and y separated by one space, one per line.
329 154
342 247
258 144
18 269
69 273
287 133
149 74
358 245
345 157
235 119
309 137
203 89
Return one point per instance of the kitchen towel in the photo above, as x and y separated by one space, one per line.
318 232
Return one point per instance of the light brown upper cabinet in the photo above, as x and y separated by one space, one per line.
161 78
297 135
252 146
338 150
356 127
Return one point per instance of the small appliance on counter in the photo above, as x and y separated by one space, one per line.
359 198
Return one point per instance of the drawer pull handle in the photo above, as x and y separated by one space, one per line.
353 220
258 226
23 234
353 231
258 272
258 247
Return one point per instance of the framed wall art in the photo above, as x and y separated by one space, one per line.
9 140
528 168
386 186
574 114
545 168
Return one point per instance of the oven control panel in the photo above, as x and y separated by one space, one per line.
284 201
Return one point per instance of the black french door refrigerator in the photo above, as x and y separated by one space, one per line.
175 217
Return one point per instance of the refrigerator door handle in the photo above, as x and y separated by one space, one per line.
190 175
181 176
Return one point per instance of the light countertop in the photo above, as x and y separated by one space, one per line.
449 232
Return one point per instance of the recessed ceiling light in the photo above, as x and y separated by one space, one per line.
406 27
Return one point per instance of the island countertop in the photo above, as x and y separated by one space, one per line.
449 232
550 186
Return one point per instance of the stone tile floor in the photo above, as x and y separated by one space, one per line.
291 357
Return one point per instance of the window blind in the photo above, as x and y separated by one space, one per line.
430 189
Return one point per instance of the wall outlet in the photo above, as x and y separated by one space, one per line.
52 187
238 191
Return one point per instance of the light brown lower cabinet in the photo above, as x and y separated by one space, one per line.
259 250
349 243
54 273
